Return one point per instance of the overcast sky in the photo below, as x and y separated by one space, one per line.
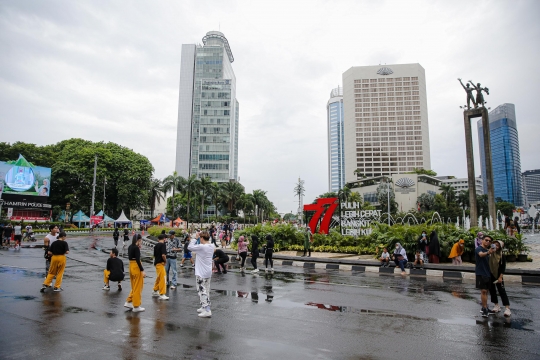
109 71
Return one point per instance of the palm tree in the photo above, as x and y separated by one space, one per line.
246 204
448 192
355 197
172 182
231 192
344 194
215 195
204 186
155 193
463 199
259 197
190 186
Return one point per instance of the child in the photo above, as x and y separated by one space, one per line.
58 251
418 259
114 270
187 253
385 258
203 272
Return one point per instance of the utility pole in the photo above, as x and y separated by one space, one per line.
93 191
103 207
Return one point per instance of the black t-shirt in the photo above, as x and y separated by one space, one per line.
116 267
220 254
7 231
59 247
134 253
159 250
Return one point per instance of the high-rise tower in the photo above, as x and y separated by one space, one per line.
336 158
208 112
386 120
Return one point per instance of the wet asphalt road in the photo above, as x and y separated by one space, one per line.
292 314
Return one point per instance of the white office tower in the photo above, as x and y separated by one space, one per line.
207 134
336 160
386 120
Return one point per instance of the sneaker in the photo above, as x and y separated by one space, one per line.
163 297
192 265
271 269
219 272
155 293
200 310
138 309
485 312
255 271
172 287
490 312
59 289
507 312
43 287
224 271
496 308
128 305
205 314
266 270
181 265
106 287
119 287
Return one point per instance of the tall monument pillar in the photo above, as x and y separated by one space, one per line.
488 176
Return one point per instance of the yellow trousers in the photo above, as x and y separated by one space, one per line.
137 283
160 283
58 265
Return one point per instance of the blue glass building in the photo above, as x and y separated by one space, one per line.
336 150
507 178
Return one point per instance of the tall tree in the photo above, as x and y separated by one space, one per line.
155 194
463 199
246 204
204 186
448 192
259 196
215 195
190 186
231 192
173 183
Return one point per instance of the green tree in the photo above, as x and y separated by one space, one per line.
204 186
507 208
382 198
190 187
245 203
172 183
448 192
420 171
231 191
259 197
463 199
426 201
155 194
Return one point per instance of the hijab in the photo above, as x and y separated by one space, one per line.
434 246
495 260
398 249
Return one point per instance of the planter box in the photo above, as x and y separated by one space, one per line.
511 258
522 257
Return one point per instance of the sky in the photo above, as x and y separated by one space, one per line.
110 71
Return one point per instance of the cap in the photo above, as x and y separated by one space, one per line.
172 232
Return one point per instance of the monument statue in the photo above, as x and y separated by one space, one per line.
479 96
470 97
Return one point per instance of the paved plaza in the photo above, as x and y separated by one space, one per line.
294 313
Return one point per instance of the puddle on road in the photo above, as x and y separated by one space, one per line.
493 321
75 310
27 297
349 309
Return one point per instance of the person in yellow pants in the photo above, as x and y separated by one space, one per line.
58 251
160 259
136 275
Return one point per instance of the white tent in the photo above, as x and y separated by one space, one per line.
122 219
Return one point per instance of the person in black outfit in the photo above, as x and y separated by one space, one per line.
220 258
268 253
116 235
126 237
136 275
114 270
212 232
254 252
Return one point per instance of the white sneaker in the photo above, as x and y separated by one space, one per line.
507 312
107 288
205 314
128 305
155 293
200 310
138 309
255 271
163 297
172 287
496 308
272 269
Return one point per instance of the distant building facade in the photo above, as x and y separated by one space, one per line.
336 144
507 177
531 187
462 184
386 120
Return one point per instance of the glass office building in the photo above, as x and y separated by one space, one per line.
208 112
507 177
336 150
531 187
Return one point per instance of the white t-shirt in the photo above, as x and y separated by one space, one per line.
203 263
52 238
17 230
385 255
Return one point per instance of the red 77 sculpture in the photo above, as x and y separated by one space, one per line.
319 208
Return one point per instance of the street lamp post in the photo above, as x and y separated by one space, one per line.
104 197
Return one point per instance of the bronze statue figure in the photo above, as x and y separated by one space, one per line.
479 96
470 97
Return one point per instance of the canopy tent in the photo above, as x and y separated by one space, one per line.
79 218
145 222
62 216
122 219
107 218
161 218
179 223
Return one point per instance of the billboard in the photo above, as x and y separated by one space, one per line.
21 177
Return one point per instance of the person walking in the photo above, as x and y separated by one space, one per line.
483 272
116 235
136 275
400 257
242 251
497 266
58 251
457 250
254 253
126 237
187 253
268 253
47 241
160 259
220 259
114 270
308 239
203 272
434 248
8 230
173 247
17 230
